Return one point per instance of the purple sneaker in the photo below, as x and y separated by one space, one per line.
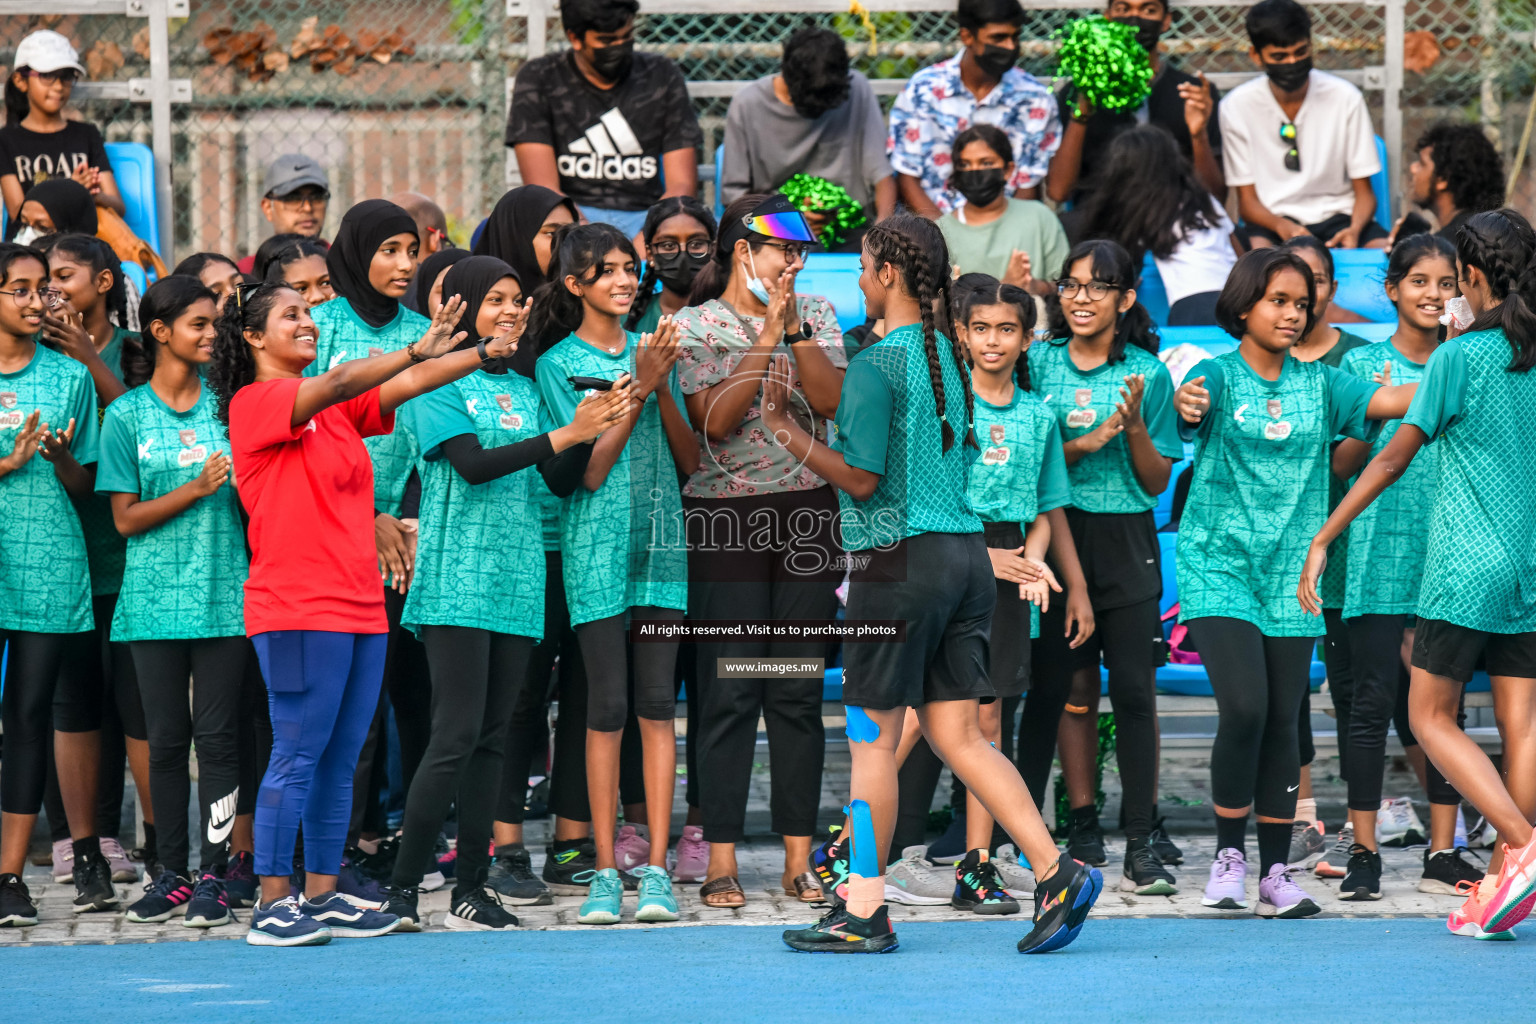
690 858
63 861
632 847
1280 896
1227 889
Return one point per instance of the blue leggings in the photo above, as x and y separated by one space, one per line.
323 689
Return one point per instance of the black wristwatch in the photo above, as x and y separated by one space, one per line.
802 332
485 357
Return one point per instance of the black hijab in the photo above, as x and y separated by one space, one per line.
69 205
364 228
471 280
516 219
427 272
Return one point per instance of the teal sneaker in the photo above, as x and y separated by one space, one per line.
605 894
656 900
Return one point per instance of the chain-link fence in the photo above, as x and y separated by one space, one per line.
411 94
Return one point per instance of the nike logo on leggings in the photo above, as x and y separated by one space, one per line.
1292 789
221 817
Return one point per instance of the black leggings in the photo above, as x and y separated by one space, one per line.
606 652
1377 695
255 735
1334 645
215 671
1259 682
26 715
476 675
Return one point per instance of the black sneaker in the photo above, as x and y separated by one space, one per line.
93 884
1085 842
209 906
511 875
1446 868
1144 873
378 865
1362 878
16 907
841 932
563 862
979 889
162 898
479 910
950 847
402 901
1062 903
829 863
1164 847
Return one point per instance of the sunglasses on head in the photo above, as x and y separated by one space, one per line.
1292 153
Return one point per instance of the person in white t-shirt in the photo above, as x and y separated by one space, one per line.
1174 217
1298 143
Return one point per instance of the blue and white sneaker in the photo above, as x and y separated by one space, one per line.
605 896
209 906
283 923
656 900
346 918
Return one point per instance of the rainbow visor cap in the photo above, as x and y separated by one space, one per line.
779 218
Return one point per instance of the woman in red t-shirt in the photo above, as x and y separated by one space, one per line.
313 605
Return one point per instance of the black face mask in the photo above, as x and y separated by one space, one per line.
980 188
1289 77
678 269
996 60
1148 30
613 62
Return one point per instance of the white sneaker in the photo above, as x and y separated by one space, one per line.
914 881
1482 836
432 881
1018 880
1398 824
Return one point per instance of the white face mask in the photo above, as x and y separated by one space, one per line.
755 284
27 235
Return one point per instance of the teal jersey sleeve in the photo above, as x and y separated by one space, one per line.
1348 399
1055 488
1442 395
1215 381
864 415
559 399
1158 414
86 446
117 467
436 416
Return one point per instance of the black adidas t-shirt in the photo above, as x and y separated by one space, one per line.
37 156
608 142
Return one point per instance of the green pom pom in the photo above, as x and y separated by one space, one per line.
1105 63
811 193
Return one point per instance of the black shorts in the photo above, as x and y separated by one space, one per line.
1009 665
941 586
1445 649
1121 556
1322 230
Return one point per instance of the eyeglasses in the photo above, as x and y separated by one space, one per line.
65 75
1292 155
695 247
792 252
294 199
1068 288
50 296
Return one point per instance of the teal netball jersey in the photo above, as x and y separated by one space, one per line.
887 423
46 580
185 579
1021 472
480 552
1387 542
1105 480
344 336
622 545
1260 488
1480 564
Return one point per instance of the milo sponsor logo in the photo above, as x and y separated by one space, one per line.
11 417
191 456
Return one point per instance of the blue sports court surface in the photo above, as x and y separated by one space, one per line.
1162 970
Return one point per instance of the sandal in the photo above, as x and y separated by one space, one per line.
807 888
723 893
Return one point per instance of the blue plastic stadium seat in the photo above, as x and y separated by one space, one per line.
1152 294
133 165
1362 277
719 174
137 276
1381 185
834 275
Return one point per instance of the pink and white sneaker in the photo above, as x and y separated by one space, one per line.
1515 889
632 847
1467 919
689 859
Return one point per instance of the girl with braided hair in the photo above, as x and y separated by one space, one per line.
1477 597
679 235
902 466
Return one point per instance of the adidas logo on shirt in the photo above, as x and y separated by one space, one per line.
609 151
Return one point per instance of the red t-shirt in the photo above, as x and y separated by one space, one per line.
309 491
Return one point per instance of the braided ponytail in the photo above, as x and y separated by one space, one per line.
1502 244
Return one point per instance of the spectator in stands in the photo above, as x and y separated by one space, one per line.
431 221
1180 102
979 85
294 199
37 143
1018 241
611 128
814 117
1174 218
54 206
1457 172
1298 143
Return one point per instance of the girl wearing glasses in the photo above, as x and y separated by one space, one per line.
679 236
37 142
48 436
1114 401
744 312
